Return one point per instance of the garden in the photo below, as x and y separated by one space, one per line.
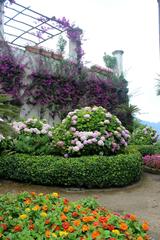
97 143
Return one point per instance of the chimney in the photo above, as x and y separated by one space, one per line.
118 54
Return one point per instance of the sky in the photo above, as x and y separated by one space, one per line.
108 25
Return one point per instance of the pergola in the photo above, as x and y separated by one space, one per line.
24 26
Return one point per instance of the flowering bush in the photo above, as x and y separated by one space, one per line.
32 216
152 161
11 76
143 135
33 136
90 130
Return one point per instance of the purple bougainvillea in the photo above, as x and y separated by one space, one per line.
11 76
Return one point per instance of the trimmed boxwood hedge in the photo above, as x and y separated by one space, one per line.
92 171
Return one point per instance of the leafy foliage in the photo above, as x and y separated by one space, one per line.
88 171
110 61
7 112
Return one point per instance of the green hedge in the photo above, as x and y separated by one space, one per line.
94 171
148 149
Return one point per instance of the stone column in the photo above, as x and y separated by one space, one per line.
74 36
2 19
118 54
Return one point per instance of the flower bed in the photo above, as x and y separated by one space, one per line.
152 163
31 216
86 171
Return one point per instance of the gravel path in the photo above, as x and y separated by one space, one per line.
142 199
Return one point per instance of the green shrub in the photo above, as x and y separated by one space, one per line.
143 135
90 131
33 136
88 171
148 149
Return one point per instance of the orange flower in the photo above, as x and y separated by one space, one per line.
145 226
47 234
95 234
75 214
4 226
27 201
123 226
47 221
88 219
139 238
66 209
94 212
133 217
36 208
1 235
85 228
44 208
77 222
1 218
78 206
63 217
17 228
31 227
33 193
70 229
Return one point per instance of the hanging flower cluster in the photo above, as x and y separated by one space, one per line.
90 131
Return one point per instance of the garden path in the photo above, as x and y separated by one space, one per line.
142 199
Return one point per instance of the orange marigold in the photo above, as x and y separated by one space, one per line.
77 222
27 201
47 234
70 229
44 208
145 226
139 238
17 228
47 221
133 217
123 226
85 228
31 227
95 234
63 217
66 209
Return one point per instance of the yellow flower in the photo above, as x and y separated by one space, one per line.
40 194
36 208
23 216
116 231
54 235
27 210
43 214
56 195
63 233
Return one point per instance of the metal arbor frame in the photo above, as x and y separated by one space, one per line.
35 30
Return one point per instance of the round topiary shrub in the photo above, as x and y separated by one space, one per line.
88 131
143 135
